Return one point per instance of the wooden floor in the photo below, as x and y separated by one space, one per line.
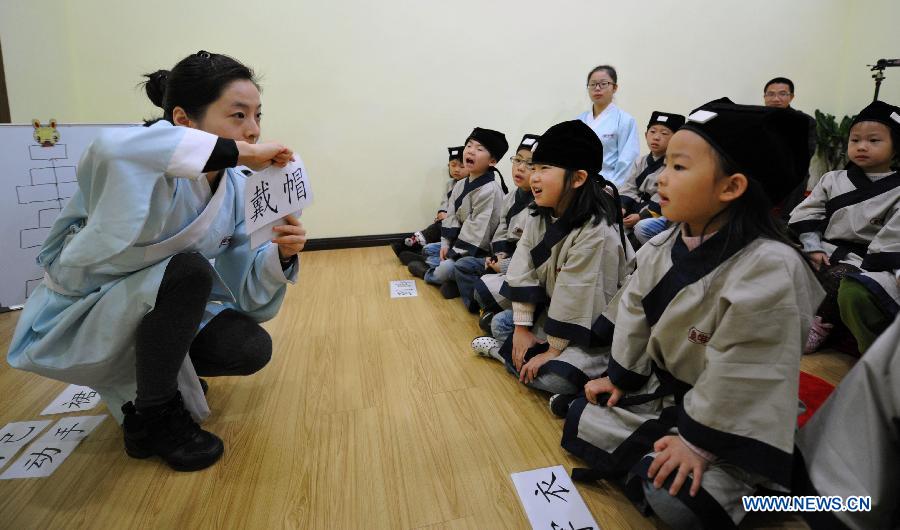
373 413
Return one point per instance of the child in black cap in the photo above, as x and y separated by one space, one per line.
479 279
850 227
410 248
708 331
473 212
640 201
568 264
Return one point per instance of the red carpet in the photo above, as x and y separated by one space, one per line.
813 392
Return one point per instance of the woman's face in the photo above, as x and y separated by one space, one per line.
601 88
235 115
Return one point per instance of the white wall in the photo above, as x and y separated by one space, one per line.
371 93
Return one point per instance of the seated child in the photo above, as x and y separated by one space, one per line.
473 212
850 227
568 264
708 330
478 291
640 200
432 234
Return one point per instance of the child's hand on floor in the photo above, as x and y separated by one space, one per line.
673 454
818 259
595 387
530 370
523 340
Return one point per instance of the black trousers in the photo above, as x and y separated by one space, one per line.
230 344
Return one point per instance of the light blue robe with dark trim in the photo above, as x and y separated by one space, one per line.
142 198
618 133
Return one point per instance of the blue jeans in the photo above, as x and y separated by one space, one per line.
502 325
646 229
440 271
467 271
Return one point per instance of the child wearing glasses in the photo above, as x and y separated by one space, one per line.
640 201
699 404
567 266
473 213
410 248
479 279
850 227
616 129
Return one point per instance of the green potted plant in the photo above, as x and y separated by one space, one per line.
831 140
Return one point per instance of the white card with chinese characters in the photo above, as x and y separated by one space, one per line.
403 289
272 194
551 501
16 435
72 428
40 459
73 399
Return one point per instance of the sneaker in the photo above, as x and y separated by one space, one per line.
484 345
408 256
484 321
169 431
418 269
418 239
450 290
818 334
559 404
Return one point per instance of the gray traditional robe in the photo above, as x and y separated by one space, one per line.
855 219
639 193
513 216
472 216
707 345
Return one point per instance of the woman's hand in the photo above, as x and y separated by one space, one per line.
261 156
818 259
595 387
291 239
523 340
673 454
631 220
531 368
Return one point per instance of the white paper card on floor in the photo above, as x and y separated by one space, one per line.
403 289
272 194
551 501
73 399
72 428
16 435
45 455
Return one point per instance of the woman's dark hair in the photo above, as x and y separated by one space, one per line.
194 83
590 202
608 69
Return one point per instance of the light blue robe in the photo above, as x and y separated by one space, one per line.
142 198
618 133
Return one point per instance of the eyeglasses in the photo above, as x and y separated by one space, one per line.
516 161
602 84
770 95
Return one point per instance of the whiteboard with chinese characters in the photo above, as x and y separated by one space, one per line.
36 183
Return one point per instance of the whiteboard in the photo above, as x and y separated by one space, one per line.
36 181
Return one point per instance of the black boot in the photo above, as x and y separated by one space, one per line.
408 256
450 290
484 322
168 431
417 268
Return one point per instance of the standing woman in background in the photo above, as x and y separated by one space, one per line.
130 304
616 129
